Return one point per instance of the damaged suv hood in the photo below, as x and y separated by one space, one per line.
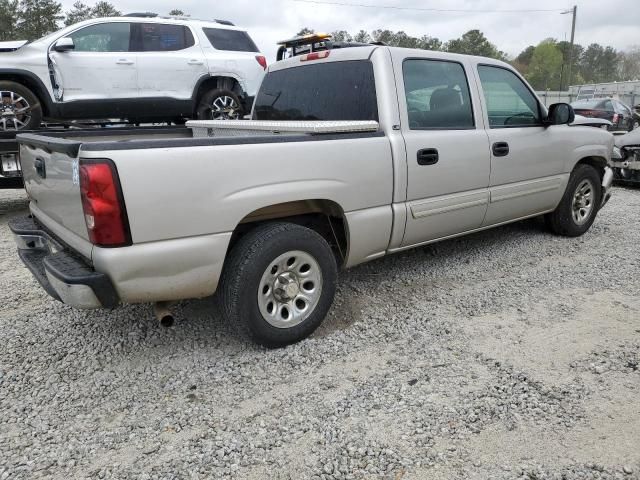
12 46
628 139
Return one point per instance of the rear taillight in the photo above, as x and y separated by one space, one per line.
262 61
616 117
103 204
315 56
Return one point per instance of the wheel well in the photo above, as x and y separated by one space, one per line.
599 163
32 85
228 83
323 216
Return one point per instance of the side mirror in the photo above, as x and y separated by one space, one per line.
560 114
64 44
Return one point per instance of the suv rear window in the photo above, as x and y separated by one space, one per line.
232 40
327 91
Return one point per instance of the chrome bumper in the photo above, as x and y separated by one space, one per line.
607 182
63 274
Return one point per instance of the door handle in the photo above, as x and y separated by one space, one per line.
500 149
428 156
195 62
124 61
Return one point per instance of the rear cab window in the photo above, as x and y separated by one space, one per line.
437 95
230 40
325 91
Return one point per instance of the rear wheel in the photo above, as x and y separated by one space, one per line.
278 283
219 104
579 205
20 109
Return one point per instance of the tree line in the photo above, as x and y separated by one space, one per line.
32 19
545 65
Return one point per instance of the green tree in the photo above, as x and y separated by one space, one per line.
573 57
341 36
362 37
176 12
9 14
104 9
38 17
429 43
475 43
629 64
305 31
546 66
79 12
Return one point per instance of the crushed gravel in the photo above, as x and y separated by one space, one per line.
508 354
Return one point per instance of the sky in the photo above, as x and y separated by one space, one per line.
608 22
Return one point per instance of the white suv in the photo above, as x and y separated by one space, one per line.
137 67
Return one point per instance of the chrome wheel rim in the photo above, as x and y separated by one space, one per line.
583 202
15 111
290 289
224 108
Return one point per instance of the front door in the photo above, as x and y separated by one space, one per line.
101 65
447 150
527 158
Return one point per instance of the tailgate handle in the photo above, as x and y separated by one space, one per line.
41 170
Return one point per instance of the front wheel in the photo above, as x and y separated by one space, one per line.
278 283
579 205
219 104
20 109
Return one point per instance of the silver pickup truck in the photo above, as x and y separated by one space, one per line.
352 154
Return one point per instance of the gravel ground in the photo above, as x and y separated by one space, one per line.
507 354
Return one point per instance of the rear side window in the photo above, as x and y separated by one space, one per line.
327 91
437 95
509 102
232 40
159 37
104 37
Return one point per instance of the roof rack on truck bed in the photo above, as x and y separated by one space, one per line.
313 42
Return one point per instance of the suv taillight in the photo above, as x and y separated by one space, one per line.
262 61
103 204
616 117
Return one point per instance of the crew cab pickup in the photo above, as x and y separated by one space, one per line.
351 155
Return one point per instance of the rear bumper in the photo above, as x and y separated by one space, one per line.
64 275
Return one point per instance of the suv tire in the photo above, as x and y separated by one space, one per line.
219 104
20 108
278 283
579 205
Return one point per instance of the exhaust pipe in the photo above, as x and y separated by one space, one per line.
163 314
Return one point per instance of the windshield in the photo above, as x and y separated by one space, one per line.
325 91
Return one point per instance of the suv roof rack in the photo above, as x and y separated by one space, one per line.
141 14
315 42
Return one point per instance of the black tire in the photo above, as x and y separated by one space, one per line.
561 221
243 272
219 104
34 112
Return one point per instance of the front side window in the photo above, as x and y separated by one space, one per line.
437 95
231 40
509 102
104 37
324 91
160 37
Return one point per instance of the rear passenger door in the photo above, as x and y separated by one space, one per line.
170 62
527 158
447 149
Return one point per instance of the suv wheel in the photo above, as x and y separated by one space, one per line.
278 283
579 205
219 104
19 108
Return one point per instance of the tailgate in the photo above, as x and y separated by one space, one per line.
51 178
